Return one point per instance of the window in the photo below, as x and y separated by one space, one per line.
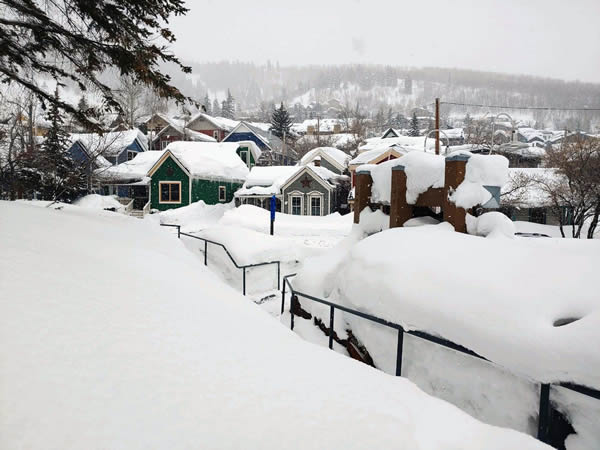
170 191
130 155
296 208
163 144
216 134
244 156
315 206
222 193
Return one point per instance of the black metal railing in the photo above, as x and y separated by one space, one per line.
545 410
242 267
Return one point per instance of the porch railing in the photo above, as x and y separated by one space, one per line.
242 267
545 409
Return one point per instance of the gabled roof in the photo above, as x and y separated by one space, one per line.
269 139
214 121
376 155
336 157
110 144
269 180
193 135
390 132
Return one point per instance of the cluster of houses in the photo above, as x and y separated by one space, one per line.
219 161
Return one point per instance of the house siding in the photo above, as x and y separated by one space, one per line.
329 166
314 186
133 147
246 136
208 190
161 175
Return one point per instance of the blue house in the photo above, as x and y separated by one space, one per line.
109 148
273 149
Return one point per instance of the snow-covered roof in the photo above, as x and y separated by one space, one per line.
210 160
190 134
134 169
269 180
201 159
333 155
110 144
369 156
218 122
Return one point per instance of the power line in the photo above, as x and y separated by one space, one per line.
542 108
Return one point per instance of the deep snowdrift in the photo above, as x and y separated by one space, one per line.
498 297
112 335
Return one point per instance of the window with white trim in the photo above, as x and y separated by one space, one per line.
315 205
216 134
163 144
130 155
222 193
244 156
296 205
169 191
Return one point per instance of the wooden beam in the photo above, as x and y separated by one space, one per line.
454 175
362 194
400 211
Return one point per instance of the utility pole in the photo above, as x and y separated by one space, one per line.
318 130
437 126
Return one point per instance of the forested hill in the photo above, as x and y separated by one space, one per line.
376 86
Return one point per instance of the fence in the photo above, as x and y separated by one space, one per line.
545 410
237 266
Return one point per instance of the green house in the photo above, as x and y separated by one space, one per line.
183 173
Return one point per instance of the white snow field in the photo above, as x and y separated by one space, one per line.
113 335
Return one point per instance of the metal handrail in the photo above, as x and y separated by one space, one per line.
242 267
544 407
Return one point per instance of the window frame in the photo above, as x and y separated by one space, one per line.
224 190
164 143
216 134
170 202
292 196
319 196
131 152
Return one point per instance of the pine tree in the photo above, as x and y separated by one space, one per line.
61 177
414 126
216 108
228 106
280 121
207 105
82 105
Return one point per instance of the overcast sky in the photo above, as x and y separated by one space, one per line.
554 38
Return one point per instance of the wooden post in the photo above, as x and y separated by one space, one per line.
437 126
400 211
454 175
362 192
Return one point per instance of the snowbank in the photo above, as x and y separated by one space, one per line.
196 216
258 219
125 340
95 201
499 298
491 224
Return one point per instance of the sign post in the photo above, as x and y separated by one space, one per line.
273 208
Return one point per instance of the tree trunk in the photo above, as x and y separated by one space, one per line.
594 223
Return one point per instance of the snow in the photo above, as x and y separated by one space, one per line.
266 181
369 156
481 170
426 170
479 307
210 160
195 216
134 169
255 218
110 144
333 154
521 190
164 355
492 224
95 201
423 171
